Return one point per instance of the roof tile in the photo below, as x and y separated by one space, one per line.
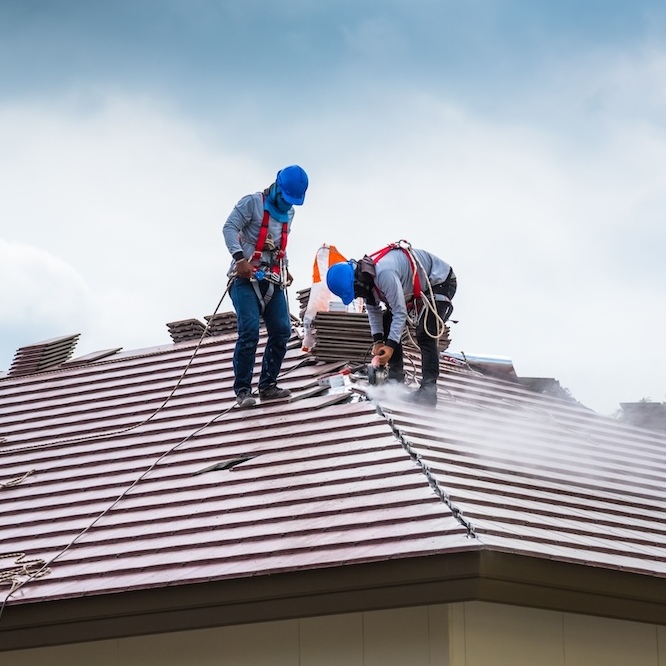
107 474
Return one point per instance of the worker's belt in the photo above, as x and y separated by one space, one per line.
448 287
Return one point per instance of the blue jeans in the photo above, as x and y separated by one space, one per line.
278 326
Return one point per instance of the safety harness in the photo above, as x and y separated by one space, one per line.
420 303
407 249
270 272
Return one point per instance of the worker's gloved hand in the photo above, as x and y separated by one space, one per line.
244 269
384 354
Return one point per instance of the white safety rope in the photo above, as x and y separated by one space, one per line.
427 304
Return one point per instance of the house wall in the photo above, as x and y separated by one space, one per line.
465 634
483 634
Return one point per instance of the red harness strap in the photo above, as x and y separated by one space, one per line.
376 256
261 242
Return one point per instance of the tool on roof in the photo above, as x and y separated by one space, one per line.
336 380
377 373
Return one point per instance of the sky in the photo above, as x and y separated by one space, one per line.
523 142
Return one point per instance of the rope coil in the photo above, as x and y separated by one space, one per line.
427 300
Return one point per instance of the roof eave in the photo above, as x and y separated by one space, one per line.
479 575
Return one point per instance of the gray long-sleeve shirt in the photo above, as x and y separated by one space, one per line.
394 283
241 230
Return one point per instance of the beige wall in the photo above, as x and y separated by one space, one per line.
489 634
468 634
414 636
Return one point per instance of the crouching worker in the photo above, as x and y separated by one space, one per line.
410 283
256 235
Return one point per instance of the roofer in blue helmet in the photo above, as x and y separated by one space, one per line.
412 284
256 234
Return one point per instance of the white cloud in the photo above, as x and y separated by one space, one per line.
41 297
127 197
38 284
132 197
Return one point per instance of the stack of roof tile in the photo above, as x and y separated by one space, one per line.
342 336
43 355
222 323
186 329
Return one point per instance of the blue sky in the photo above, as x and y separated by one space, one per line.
522 141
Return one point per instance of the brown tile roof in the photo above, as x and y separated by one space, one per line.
110 481
323 482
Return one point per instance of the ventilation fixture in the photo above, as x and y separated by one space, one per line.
43 355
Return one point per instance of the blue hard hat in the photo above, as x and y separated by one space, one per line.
340 280
293 182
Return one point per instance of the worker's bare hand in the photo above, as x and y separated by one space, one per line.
290 279
384 354
244 269
376 347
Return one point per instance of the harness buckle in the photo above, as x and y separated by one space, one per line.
266 272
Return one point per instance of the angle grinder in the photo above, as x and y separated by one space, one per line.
377 373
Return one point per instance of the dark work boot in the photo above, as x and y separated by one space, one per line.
426 396
274 393
245 399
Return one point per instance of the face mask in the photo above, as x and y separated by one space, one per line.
276 205
281 204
